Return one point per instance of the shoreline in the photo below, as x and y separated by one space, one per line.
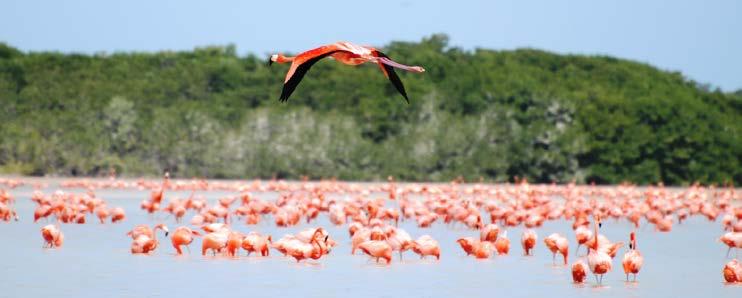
30 180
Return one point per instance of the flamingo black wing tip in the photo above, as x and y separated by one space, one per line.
407 100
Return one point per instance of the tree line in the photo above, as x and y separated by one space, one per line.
478 114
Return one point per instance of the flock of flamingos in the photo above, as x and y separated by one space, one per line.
373 226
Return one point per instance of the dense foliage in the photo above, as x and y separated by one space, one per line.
483 113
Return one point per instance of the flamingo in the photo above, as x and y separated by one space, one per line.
733 271
528 241
183 236
144 230
254 242
315 249
346 53
598 260
378 249
582 234
467 244
632 260
482 249
557 243
489 233
732 239
215 241
117 214
145 239
52 235
502 244
578 272
426 246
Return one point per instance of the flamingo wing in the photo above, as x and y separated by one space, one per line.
301 65
392 76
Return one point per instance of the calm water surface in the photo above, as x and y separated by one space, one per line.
95 262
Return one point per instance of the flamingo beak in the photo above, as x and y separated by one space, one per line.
270 62
166 232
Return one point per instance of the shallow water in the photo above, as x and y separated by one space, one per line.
95 262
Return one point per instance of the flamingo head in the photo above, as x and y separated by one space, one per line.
272 59
164 228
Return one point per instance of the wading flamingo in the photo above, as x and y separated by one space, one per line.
733 271
732 240
598 260
183 236
426 246
632 260
145 239
346 53
557 243
528 241
378 249
578 272
502 244
52 235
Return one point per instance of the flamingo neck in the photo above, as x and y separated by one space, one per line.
392 63
283 59
595 236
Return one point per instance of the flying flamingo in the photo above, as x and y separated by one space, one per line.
632 260
346 53
52 235
598 260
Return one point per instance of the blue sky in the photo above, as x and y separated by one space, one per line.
702 39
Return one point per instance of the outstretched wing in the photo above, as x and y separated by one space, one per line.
392 76
296 73
303 62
